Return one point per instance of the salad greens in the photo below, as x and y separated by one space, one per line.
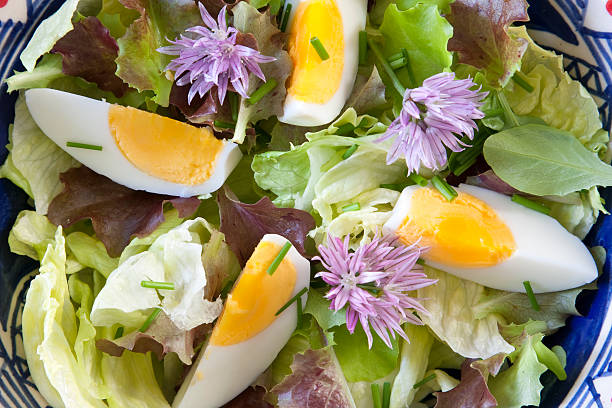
88 334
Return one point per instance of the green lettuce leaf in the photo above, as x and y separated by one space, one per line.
452 316
91 253
424 33
35 159
579 216
275 5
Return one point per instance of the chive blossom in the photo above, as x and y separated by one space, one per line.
290 301
285 19
376 397
420 180
397 84
532 299
83 146
349 152
386 399
351 207
363 47
224 125
424 381
444 188
262 90
279 258
145 326
525 202
157 285
319 48
520 81
119 332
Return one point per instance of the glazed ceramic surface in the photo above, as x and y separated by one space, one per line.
581 30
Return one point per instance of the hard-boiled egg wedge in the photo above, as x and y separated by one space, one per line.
318 89
135 148
248 335
485 237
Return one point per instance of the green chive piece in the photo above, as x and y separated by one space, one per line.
363 47
344 130
319 48
351 207
421 181
386 399
279 258
224 125
408 66
285 19
290 302
83 146
299 311
424 381
444 188
119 332
157 285
349 152
263 90
376 395
420 261
525 202
398 63
279 12
150 320
520 81
395 57
234 105
397 84
532 299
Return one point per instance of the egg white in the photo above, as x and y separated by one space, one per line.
222 372
65 117
297 112
546 255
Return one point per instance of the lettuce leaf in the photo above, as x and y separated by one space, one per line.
34 159
91 253
31 234
472 392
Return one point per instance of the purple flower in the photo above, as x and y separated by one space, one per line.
434 116
210 57
373 284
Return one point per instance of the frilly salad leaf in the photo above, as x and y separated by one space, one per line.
481 37
556 98
89 51
35 162
117 212
541 160
270 42
424 33
244 225
368 93
139 64
174 257
452 316
314 370
472 392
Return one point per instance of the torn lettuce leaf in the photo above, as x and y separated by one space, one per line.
91 253
176 257
472 391
35 159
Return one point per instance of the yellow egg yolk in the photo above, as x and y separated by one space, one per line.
465 232
163 147
314 80
253 302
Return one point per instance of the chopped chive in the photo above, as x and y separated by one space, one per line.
398 63
363 47
279 258
290 302
525 202
298 300
319 48
150 320
349 152
408 66
376 397
118 333
279 13
285 19
387 68
345 129
444 188
83 146
386 399
224 125
351 207
420 261
157 285
234 102
532 299
520 81
395 57
424 381
421 181
262 90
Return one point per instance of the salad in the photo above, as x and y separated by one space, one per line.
301 203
